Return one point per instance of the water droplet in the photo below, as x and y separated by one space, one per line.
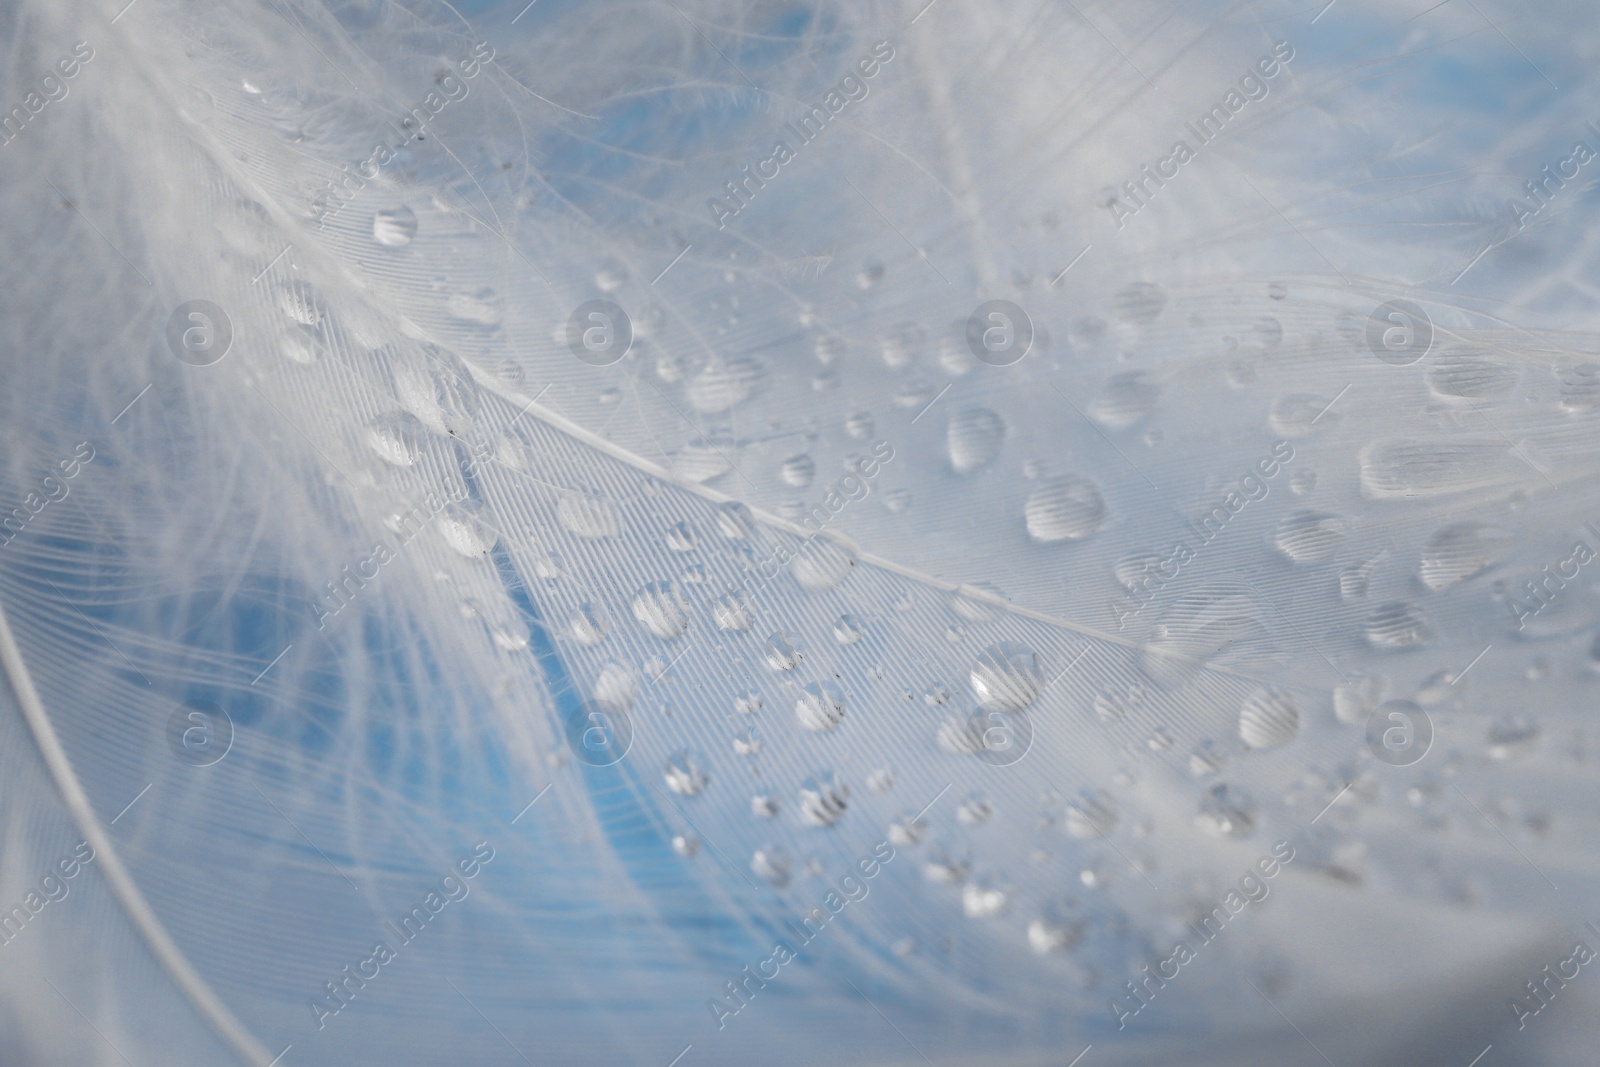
735 522
680 538
1205 760
1398 625
974 811
781 654
394 436
299 301
481 307
859 425
465 529
974 438
1268 718
903 344
685 845
906 831
847 630
773 864
1414 470
799 470
1065 508
897 500
983 899
732 613
1006 676
1302 482
1045 937
763 806
616 687
823 802
588 516
747 703
745 745
662 609
684 777
1110 707
1472 373
698 461
881 780
589 624
820 707
723 384
960 735
1457 552
1131 570
1355 700
821 564
394 226
1580 389
435 386
946 870
1124 400
1310 536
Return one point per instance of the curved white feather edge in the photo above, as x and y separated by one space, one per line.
123 887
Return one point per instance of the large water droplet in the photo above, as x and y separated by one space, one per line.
684 777
722 384
732 613
1354 700
394 437
822 802
1006 677
974 438
773 864
662 609
588 516
1417 469
394 226
1065 509
1124 400
983 899
821 706
781 653
466 529
821 564
799 470
1045 936
1398 625
1472 373
1309 536
1268 718
1457 552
